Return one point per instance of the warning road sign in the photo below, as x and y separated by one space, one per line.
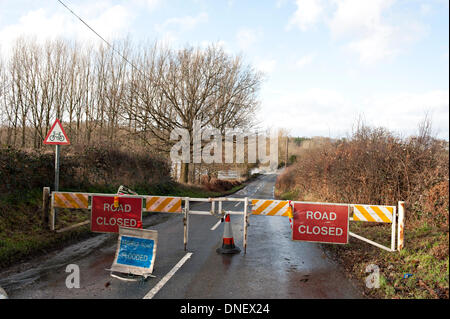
56 135
320 223
107 217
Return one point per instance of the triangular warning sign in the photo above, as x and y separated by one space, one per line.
56 135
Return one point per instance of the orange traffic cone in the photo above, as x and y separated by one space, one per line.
228 246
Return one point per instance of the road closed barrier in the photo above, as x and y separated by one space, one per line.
71 200
314 222
163 204
106 218
270 207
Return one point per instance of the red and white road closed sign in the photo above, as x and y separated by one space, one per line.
106 217
320 223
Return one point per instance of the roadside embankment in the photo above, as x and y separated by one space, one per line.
375 167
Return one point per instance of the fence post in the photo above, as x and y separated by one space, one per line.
401 225
185 221
45 205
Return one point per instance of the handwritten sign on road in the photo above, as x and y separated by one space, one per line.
136 251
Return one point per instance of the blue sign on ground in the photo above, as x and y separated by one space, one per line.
136 252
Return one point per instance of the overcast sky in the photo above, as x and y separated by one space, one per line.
327 62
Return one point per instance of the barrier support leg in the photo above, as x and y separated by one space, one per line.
394 219
401 225
245 224
52 214
185 222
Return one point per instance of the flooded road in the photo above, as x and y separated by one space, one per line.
273 267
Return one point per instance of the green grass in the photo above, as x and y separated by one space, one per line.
425 257
289 195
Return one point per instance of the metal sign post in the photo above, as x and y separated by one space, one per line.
57 167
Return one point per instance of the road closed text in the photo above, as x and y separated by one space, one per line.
324 230
106 217
113 221
320 223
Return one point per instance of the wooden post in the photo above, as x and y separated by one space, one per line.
287 151
45 205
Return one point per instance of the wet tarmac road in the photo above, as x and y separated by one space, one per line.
273 267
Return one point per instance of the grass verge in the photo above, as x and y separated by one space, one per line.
419 271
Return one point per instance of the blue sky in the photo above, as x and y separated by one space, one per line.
326 62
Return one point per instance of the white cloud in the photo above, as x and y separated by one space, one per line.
376 46
367 31
305 60
365 28
280 3
266 65
425 8
170 30
312 112
182 23
325 112
307 14
402 111
246 38
109 22
151 5
356 17
386 41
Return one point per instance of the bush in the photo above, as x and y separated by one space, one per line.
22 171
218 185
376 167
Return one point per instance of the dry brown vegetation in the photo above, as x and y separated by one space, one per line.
374 166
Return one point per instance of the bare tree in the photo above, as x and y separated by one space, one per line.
181 87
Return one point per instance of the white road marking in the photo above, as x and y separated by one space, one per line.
216 225
166 278
237 204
